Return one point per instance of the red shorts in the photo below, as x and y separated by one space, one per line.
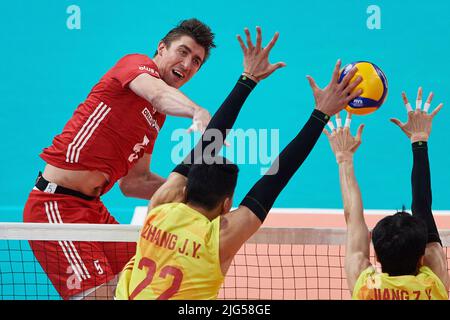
75 266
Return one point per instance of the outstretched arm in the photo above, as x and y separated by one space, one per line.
256 68
418 129
240 224
357 252
169 100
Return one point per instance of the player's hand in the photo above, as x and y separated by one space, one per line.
256 58
418 126
200 120
171 191
335 96
341 140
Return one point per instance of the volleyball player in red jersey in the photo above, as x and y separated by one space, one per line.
110 138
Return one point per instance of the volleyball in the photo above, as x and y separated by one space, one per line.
374 86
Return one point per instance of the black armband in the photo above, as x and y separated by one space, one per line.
262 196
420 145
421 189
247 82
320 116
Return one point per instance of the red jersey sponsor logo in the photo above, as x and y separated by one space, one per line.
151 70
148 116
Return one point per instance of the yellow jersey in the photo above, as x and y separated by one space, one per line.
372 285
177 257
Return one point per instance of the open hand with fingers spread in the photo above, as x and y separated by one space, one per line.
334 97
256 58
341 140
418 126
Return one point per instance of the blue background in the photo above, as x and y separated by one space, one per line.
47 70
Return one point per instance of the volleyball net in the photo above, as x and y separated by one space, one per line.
276 263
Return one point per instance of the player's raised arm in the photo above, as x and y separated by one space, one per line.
357 251
240 224
256 57
169 100
256 68
418 129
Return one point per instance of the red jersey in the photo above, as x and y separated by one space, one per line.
112 128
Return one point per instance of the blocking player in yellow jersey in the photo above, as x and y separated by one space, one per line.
176 258
408 247
189 238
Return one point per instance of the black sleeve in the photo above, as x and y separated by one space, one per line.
421 189
262 196
223 120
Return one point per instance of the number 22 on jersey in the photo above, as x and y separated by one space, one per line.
150 265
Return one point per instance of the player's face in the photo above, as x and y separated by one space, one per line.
180 61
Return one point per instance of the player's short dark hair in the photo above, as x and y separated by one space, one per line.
399 242
195 29
209 184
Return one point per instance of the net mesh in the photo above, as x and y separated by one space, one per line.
281 271
276 263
